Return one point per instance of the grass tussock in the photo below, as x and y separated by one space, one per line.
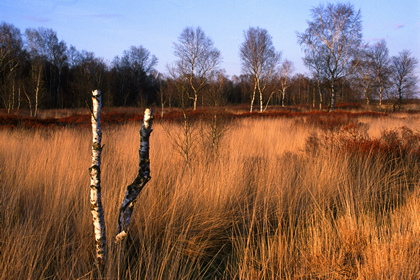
304 197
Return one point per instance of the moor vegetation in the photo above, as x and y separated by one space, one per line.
39 71
233 196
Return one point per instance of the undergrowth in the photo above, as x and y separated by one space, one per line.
304 197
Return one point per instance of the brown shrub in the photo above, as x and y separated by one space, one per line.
353 139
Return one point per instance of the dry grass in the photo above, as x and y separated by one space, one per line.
262 207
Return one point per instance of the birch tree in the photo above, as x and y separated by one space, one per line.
259 61
403 78
364 74
38 55
44 46
143 176
198 61
10 59
95 180
285 75
379 54
331 42
314 63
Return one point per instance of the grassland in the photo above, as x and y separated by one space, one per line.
316 196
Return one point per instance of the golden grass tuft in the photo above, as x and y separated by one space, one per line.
261 207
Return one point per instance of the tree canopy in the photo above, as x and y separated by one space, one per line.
40 71
332 41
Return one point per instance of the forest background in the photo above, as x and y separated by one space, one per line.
39 71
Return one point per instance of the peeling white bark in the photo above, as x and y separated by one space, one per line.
95 180
140 181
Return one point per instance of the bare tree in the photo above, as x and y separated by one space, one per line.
88 72
313 61
48 56
217 90
372 71
11 45
43 45
331 41
259 61
162 92
36 85
379 55
403 78
364 74
134 72
198 60
285 74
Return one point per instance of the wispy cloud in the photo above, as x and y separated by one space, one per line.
107 16
399 26
38 19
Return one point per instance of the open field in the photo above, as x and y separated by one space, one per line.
305 196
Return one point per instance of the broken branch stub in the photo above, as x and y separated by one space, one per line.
143 176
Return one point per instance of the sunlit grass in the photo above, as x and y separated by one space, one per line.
262 207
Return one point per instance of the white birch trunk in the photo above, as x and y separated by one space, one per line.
140 181
253 97
37 89
283 94
95 180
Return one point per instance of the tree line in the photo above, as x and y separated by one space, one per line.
38 71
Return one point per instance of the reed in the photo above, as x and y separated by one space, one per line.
268 205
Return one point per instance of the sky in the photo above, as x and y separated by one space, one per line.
109 27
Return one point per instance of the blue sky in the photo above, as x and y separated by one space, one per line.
108 27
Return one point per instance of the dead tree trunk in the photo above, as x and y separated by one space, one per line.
140 181
95 180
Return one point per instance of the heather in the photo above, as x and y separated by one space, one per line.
310 195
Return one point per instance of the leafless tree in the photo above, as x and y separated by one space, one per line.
313 61
10 44
134 70
217 90
43 44
379 56
372 71
198 60
10 58
88 72
285 75
331 41
48 56
403 78
363 76
36 86
162 93
259 61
